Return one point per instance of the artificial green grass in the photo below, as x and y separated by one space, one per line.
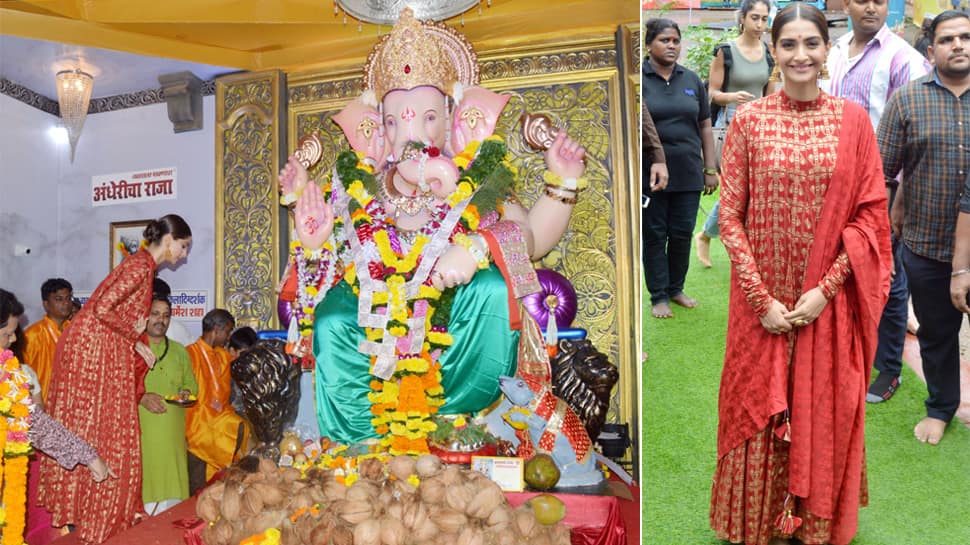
917 493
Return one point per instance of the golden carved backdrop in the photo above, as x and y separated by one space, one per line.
583 86
248 147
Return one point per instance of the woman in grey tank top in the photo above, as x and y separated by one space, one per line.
739 74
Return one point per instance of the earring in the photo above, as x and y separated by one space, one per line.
775 76
824 72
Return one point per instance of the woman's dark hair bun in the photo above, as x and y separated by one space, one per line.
171 224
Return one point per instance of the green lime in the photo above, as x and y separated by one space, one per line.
541 472
548 509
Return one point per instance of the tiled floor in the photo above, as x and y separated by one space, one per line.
912 357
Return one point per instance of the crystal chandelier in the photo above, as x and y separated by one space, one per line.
73 95
385 12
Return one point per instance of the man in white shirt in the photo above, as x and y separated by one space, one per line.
867 65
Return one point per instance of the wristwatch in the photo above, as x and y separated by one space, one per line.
711 171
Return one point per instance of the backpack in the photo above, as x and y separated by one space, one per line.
725 50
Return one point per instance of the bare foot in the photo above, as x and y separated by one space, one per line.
930 430
684 301
662 310
703 249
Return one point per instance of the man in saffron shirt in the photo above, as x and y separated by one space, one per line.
211 425
42 335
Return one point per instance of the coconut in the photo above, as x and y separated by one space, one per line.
432 490
371 468
448 519
471 536
354 511
401 466
362 491
334 490
489 497
368 532
427 465
207 507
457 497
231 503
270 493
392 531
218 534
342 535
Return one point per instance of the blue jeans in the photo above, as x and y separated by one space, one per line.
711 228
939 331
668 229
892 325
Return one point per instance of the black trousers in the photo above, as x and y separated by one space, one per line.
668 229
939 332
196 473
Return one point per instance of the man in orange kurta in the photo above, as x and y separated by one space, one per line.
41 336
211 425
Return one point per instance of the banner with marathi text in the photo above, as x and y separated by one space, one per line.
189 304
131 187
186 304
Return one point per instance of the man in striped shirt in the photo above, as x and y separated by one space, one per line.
867 65
925 132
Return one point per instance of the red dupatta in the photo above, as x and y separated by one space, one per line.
832 356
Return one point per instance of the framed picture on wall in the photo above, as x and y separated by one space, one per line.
126 239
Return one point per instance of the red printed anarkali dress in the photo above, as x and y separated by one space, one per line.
96 382
803 205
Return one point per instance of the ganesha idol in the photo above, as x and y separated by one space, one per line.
410 258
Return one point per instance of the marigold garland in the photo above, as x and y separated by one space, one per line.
15 408
404 404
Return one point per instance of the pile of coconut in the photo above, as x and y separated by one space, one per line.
408 501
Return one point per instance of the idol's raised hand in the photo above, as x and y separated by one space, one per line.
293 178
565 157
313 216
455 267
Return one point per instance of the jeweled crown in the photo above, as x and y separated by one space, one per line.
417 53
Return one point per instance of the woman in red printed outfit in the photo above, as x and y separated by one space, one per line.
97 381
803 217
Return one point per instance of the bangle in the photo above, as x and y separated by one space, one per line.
561 191
710 171
466 242
480 251
960 272
561 198
575 184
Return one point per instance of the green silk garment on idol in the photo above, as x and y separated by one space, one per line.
484 349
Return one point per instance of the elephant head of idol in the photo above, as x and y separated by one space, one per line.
421 105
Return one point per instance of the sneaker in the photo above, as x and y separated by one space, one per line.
882 388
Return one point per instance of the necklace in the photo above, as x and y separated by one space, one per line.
411 206
164 352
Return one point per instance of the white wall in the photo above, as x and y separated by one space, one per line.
29 173
45 200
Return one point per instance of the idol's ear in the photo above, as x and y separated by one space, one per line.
361 123
475 117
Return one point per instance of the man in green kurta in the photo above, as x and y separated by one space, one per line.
163 446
